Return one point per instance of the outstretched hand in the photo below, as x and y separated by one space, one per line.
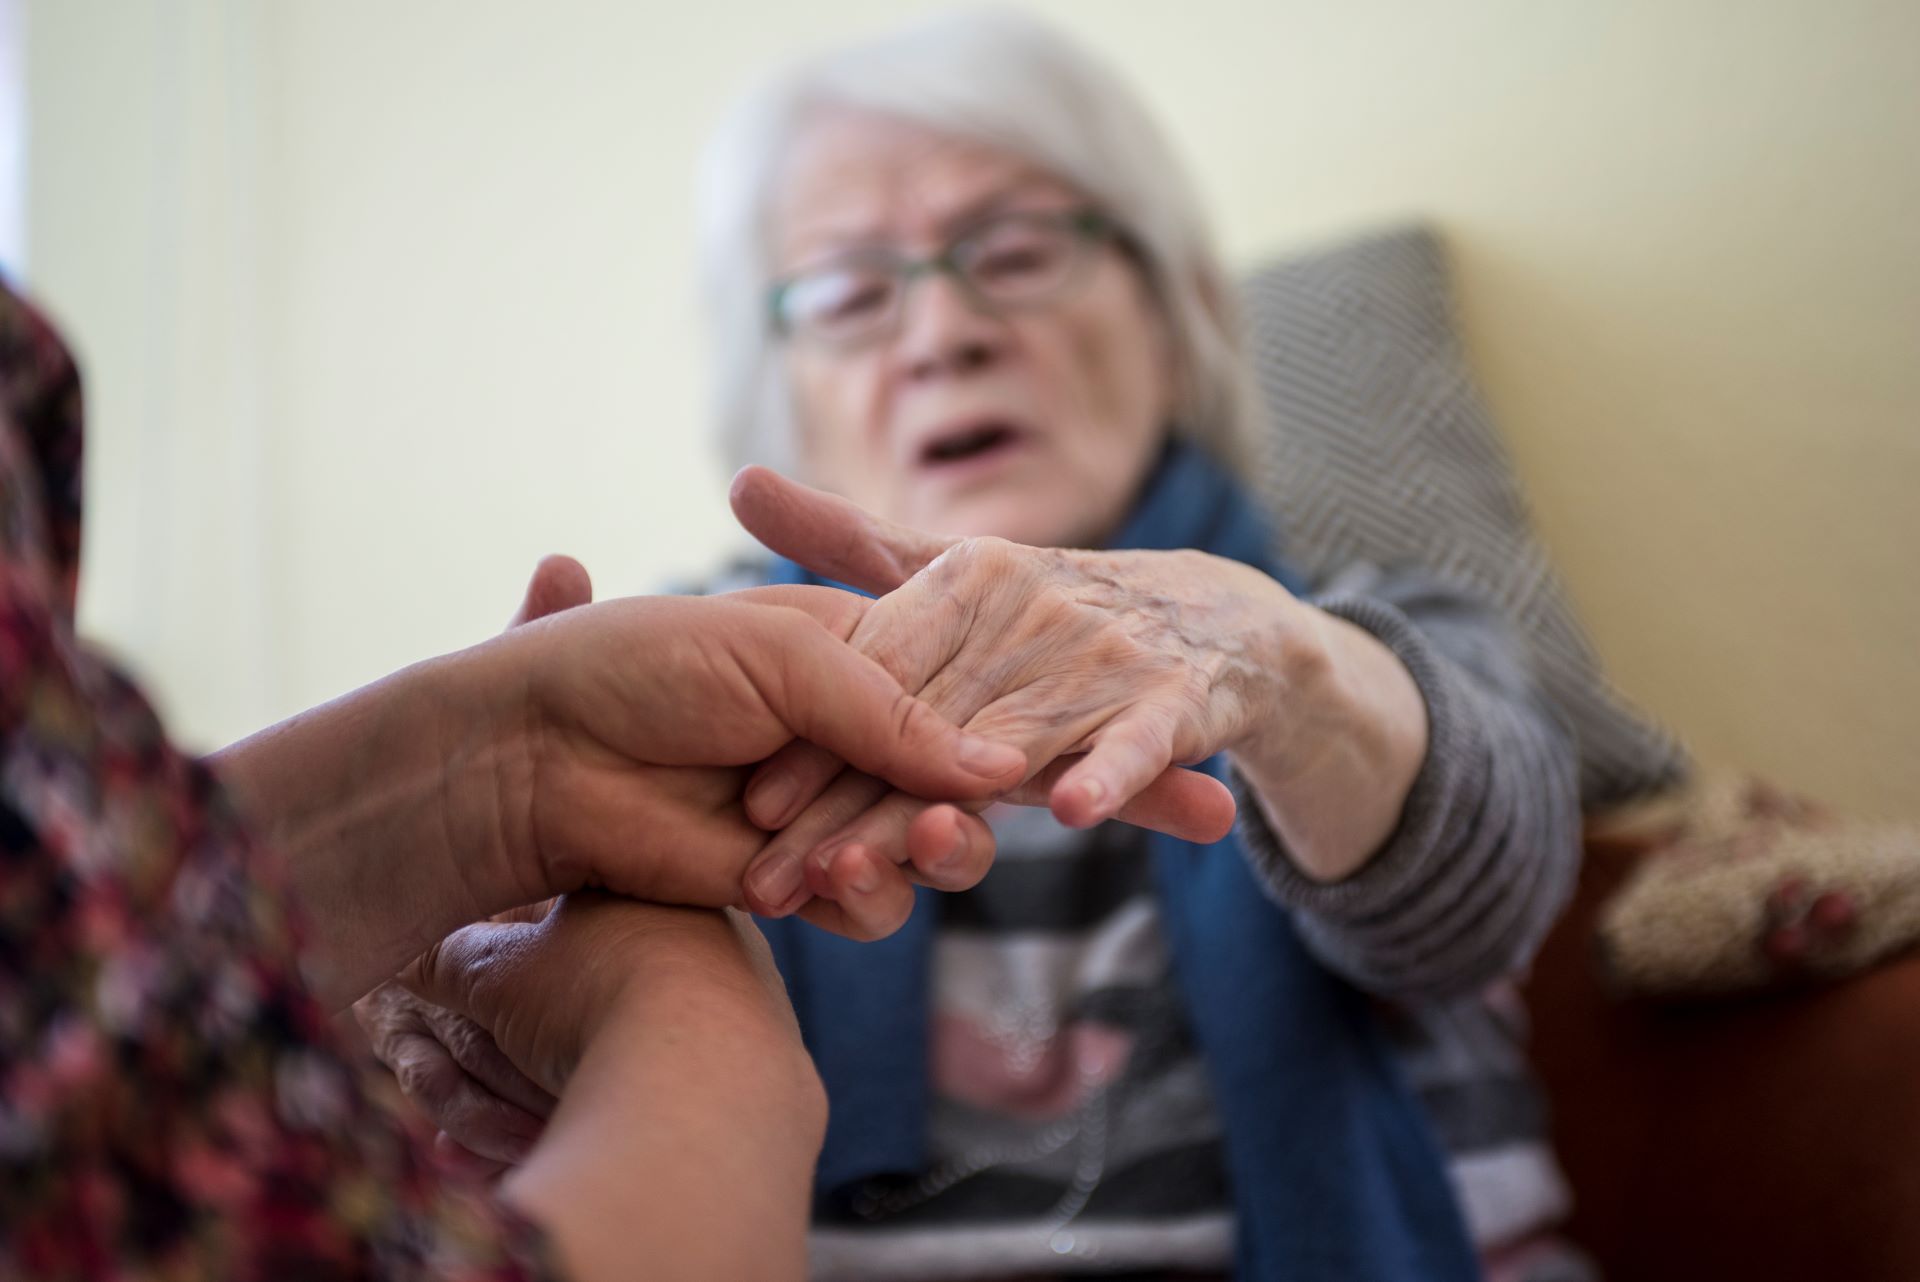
1107 669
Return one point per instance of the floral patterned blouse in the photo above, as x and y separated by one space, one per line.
173 1103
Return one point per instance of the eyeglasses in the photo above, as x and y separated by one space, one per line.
1006 262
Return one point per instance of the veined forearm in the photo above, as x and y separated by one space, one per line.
386 805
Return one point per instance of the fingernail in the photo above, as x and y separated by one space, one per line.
867 880
822 857
988 759
1094 791
769 798
956 853
776 882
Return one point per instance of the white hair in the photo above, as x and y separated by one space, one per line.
1006 81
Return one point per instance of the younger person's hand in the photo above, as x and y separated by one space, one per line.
602 746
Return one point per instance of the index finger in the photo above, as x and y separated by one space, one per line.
829 535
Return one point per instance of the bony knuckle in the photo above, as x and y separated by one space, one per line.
391 1042
979 554
372 1018
465 1040
421 1077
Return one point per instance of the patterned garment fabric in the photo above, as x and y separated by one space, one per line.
172 1101
1379 449
1073 1128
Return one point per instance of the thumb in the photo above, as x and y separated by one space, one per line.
558 583
828 693
827 534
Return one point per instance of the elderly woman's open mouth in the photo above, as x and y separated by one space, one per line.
965 447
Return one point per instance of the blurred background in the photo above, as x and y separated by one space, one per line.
379 300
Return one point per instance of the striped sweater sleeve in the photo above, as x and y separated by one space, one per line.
1487 845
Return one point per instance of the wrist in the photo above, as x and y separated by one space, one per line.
734 1022
658 1080
1299 698
707 973
1338 752
482 700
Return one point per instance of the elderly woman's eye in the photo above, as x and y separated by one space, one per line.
837 300
1017 258
849 296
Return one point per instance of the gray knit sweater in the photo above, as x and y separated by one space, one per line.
1487 846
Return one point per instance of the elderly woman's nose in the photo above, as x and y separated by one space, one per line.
945 331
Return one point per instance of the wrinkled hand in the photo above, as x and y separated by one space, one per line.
1106 668
488 1112
532 993
541 988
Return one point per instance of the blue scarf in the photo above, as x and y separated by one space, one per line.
1335 1173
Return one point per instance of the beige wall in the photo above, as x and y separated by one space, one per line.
383 298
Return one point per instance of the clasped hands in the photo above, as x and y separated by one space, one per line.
1077 680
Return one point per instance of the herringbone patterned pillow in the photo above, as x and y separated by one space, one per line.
1379 449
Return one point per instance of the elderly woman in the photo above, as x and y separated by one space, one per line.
961 283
